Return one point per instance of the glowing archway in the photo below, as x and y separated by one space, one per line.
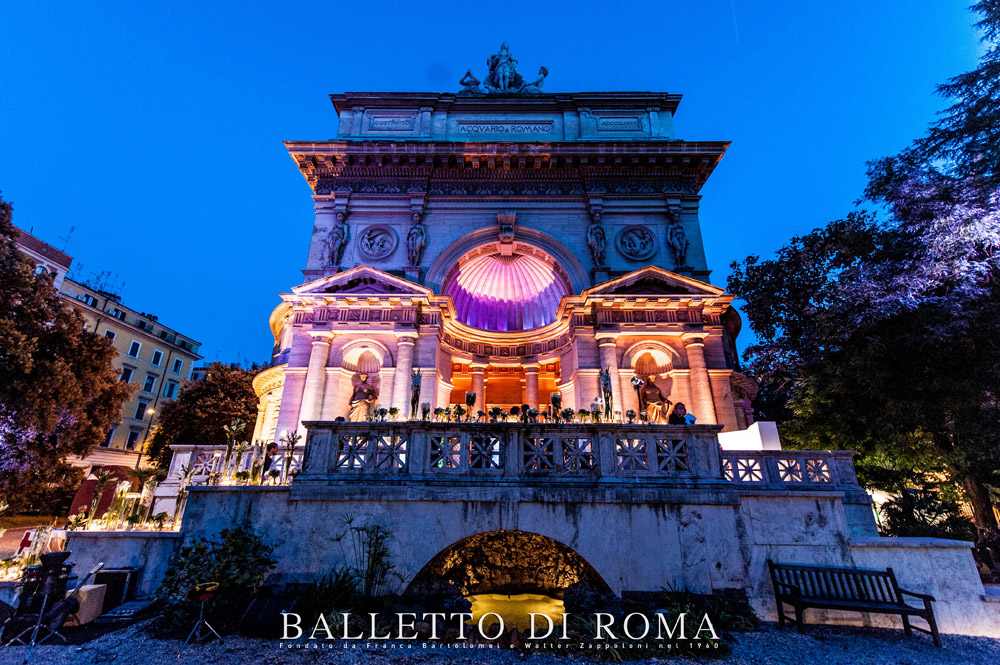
506 293
510 562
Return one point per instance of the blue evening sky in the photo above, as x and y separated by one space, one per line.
155 129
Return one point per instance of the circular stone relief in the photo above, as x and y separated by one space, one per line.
636 243
377 241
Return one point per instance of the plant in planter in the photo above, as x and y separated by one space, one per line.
381 413
393 412
242 476
459 412
160 519
291 439
103 478
470 400
533 415
567 415
556 401
233 431
480 416
241 449
425 410
630 416
495 414
274 474
134 520
438 413
257 463
583 415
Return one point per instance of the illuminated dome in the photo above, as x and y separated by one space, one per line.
506 293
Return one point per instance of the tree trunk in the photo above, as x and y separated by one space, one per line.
979 496
982 507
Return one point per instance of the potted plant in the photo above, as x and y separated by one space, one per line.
393 412
233 431
438 414
425 410
567 415
495 414
630 416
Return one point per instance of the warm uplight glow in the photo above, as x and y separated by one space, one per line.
506 293
515 608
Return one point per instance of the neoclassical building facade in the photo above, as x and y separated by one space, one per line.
508 245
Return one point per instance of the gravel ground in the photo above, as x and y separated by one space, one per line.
821 644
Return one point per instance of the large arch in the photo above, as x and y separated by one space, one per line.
510 562
438 270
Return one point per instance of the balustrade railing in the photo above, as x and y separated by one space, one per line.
336 451
790 468
509 450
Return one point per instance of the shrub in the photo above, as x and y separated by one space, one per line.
238 562
924 513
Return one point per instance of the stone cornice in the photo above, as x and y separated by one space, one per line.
559 101
652 167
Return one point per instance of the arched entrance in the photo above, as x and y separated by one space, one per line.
510 562
512 574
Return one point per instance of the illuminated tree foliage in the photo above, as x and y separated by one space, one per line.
59 392
879 332
202 410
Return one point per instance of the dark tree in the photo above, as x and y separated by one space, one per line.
59 391
879 331
202 408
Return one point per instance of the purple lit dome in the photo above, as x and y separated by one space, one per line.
506 293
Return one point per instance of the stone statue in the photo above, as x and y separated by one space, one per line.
653 402
678 242
597 240
469 83
503 70
416 240
609 401
502 77
337 240
415 380
363 399
536 85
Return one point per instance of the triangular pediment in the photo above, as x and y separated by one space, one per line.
362 281
653 281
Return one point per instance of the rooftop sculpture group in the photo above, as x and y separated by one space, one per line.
502 77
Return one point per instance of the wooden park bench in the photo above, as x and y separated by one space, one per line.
851 589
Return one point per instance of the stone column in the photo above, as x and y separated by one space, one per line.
531 384
312 396
258 426
607 343
703 406
479 386
402 384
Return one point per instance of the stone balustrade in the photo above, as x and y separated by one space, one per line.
436 451
790 468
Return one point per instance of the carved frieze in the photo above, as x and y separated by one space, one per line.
500 350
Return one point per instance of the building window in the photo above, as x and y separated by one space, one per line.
140 410
87 299
157 356
109 334
118 314
126 374
171 390
133 438
150 383
133 350
107 440
178 365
